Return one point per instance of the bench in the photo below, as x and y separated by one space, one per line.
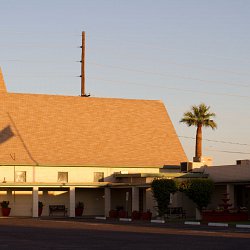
57 208
176 211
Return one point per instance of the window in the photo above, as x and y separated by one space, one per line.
20 176
98 176
62 177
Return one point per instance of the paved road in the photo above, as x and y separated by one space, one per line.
51 234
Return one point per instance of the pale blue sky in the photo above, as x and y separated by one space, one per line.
181 52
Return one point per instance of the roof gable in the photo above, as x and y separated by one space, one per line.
2 83
68 130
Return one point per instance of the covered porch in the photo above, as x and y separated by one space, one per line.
98 198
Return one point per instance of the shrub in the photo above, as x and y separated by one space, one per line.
198 190
162 188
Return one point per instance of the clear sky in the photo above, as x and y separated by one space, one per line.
181 52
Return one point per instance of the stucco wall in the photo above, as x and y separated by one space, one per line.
217 196
75 174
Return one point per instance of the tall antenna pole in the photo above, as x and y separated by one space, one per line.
83 66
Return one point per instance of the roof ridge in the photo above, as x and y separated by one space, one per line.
2 83
98 98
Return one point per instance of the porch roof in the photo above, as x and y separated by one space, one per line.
162 175
67 185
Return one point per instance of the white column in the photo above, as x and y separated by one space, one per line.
135 199
72 201
9 194
107 201
35 202
230 191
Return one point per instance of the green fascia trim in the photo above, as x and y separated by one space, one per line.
162 175
127 175
172 167
115 184
193 175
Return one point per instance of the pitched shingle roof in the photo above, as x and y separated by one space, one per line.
68 130
2 84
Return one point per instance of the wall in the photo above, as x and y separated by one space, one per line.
181 200
93 199
118 198
150 202
75 174
217 196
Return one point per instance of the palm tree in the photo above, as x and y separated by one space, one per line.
199 116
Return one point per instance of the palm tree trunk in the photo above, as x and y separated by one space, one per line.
198 146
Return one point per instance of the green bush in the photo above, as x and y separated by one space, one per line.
198 190
162 188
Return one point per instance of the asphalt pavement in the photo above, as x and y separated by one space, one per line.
58 233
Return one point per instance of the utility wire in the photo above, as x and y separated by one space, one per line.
230 152
139 84
178 50
37 61
193 66
39 33
226 142
37 46
126 41
172 88
169 75
185 65
43 76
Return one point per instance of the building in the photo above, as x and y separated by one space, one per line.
233 180
65 149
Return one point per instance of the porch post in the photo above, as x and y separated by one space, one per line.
107 201
72 201
135 199
9 194
35 202
230 191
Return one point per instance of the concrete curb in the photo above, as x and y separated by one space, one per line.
197 223
242 226
125 219
215 224
157 221
191 223
100 218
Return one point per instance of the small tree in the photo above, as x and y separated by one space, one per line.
162 188
198 190
199 116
